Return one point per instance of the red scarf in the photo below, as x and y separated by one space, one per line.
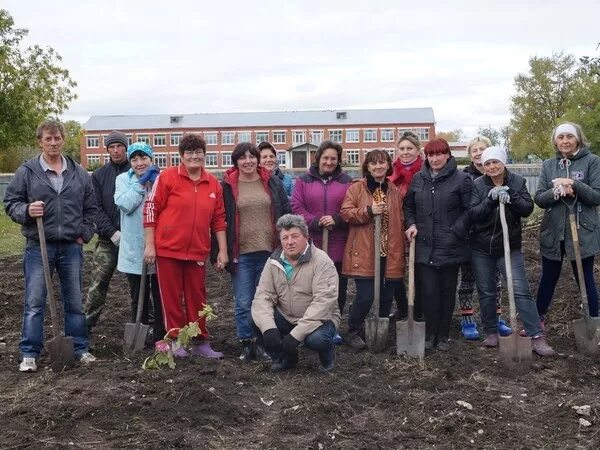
403 175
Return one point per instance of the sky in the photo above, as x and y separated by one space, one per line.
178 57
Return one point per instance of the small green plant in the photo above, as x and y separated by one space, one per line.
163 349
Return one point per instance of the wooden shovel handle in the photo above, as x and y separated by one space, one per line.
142 294
325 240
48 277
579 264
509 277
377 283
411 280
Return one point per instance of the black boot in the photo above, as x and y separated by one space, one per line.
260 354
247 350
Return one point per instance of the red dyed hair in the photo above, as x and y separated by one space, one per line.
437 145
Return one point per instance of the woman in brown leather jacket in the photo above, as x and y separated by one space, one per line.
367 197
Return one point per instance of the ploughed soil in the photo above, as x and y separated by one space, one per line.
369 401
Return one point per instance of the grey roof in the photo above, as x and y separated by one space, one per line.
262 119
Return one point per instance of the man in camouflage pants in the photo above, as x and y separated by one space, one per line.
108 226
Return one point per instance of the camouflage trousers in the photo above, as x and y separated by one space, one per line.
466 288
104 263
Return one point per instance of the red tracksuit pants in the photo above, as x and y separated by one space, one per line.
182 291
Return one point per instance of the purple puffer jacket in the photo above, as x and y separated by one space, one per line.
314 197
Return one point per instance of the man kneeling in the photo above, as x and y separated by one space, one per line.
296 299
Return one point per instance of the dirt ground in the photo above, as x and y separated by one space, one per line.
369 401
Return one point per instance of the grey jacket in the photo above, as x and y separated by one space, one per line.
307 300
67 215
585 170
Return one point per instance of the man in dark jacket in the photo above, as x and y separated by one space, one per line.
53 187
108 227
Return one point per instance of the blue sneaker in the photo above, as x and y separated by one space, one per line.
469 331
503 329
337 339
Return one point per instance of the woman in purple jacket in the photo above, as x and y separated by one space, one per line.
318 196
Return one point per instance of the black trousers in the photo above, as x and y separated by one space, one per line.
438 289
401 297
156 307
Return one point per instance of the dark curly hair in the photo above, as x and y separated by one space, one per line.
324 146
374 156
266 145
192 142
241 149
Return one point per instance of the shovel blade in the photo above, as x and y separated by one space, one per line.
515 351
61 351
587 336
134 337
410 340
376 333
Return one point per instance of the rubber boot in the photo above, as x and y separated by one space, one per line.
540 346
503 329
247 354
205 350
260 354
469 329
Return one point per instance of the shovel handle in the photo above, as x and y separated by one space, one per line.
48 277
325 240
411 280
377 283
579 264
508 266
142 294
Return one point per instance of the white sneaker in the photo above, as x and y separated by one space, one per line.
28 365
87 358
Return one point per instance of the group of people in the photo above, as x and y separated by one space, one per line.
291 247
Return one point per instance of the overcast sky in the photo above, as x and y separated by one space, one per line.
156 57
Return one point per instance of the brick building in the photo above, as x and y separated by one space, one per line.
294 134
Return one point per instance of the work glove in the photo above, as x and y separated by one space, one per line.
272 340
500 193
150 175
289 344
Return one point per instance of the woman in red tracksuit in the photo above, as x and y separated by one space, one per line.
183 210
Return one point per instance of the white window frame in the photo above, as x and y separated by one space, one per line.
211 138
226 159
384 132
391 151
160 160
208 157
243 135
104 136
282 159
230 137
352 157
91 140
276 135
93 159
316 133
334 139
175 139
422 133
175 159
367 135
352 130
143 138
298 137
129 139
159 137
106 159
258 133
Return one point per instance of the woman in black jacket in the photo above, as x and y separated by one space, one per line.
498 185
435 213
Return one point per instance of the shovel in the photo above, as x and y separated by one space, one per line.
515 350
587 337
134 338
325 240
376 328
60 347
410 335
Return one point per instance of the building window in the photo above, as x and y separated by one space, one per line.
370 135
106 159
352 136
93 160
278 137
92 141
262 136
160 140
210 160
129 139
353 157
243 136
226 160
299 137
335 135
391 152
387 135
175 139
423 133
143 138
175 159
316 137
104 136
282 158
227 138
160 160
210 138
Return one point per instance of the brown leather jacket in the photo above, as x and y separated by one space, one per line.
359 255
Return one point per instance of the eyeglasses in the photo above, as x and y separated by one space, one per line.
194 153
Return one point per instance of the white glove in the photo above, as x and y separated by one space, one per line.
116 238
500 193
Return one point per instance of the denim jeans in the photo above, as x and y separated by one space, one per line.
320 340
245 279
485 268
66 258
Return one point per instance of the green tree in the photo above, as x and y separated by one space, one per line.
495 136
33 86
455 135
73 134
542 97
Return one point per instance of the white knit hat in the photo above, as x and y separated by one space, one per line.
493 153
